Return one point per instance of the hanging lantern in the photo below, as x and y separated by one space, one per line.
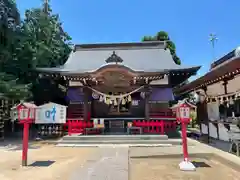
95 95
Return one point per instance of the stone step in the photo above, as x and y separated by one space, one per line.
114 137
172 142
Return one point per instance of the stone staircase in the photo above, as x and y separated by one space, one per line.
78 140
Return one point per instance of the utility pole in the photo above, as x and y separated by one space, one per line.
213 39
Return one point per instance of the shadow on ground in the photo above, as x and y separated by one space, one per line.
42 163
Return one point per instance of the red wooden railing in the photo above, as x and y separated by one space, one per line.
160 122
155 126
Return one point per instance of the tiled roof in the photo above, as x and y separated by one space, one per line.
144 56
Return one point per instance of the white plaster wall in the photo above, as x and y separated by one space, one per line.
213 131
204 129
223 132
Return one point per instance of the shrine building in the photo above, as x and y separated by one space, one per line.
218 111
121 83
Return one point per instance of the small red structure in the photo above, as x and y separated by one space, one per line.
183 116
26 116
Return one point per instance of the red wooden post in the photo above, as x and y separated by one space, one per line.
182 115
25 143
25 119
184 141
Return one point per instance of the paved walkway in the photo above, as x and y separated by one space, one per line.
110 163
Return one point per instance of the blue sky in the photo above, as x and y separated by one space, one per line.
188 22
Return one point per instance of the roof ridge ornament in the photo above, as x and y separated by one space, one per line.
114 58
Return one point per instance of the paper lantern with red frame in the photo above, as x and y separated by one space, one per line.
26 112
183 112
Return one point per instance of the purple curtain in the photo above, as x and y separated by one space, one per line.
75 94
161 94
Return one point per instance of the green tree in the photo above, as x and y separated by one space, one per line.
37 41
49 44
163 36
10 86
46 44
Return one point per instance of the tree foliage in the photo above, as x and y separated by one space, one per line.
163 36
38 40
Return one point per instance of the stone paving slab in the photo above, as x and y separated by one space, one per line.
110 163
111 145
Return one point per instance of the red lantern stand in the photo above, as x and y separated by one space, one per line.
183 116
26 117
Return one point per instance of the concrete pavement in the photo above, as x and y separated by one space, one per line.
110 163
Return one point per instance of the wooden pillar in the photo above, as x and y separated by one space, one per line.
202 116
225 82
147 96
206 115
85 101
225 86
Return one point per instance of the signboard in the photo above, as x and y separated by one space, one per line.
51 113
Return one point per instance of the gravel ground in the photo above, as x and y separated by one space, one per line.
168 169
64 162
48 162
109 163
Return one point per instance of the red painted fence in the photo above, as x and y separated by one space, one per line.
152 126
155 126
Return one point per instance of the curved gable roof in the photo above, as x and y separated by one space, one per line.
144 56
